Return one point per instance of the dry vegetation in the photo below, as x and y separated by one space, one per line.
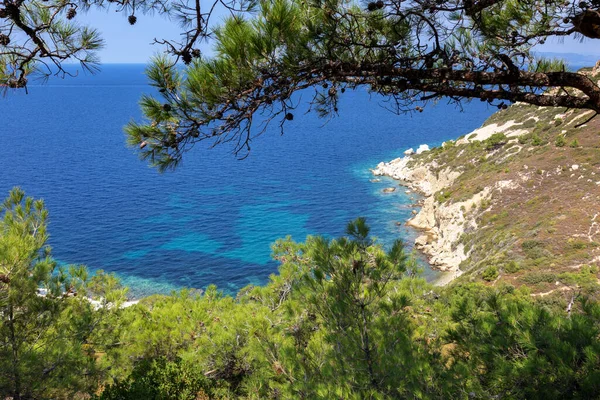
541 228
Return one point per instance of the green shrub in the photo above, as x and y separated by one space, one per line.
442 196
524 139
495 141
534 249
512 267
485 204
536 277
530 123
490 273
536 140
574 143
560 141
577 244
160 378
530 244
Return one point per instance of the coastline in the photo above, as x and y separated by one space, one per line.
527 178
440 225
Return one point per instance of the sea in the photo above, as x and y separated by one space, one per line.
212 220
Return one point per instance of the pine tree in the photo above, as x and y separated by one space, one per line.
46 324
410 52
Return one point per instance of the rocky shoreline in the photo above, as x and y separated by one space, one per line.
441 224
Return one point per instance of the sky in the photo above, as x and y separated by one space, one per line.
125 43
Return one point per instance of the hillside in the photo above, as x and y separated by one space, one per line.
517 200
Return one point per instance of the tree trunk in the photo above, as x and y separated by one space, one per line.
15 356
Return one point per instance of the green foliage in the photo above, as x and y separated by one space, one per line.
506 344
495 141
264 56
560 141
535 249
525 138
343 318
160 379
531 244
512 267
537 140
578 244
442 196
46 323
533 278
490 273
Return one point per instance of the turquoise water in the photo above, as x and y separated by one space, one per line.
214 219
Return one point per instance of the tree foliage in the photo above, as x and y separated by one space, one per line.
47 326
343 318
411 52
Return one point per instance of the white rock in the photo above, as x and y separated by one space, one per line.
574 167
421 241
422 148
409 152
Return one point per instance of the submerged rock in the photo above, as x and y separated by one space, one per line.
389 190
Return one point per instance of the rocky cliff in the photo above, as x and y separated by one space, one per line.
516 200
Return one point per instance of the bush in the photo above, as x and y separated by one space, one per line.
534 249
574 143
490 273
536 140
495 141
560 141
524 139
531 244
534 278
160 379
530 123
442 196
577 244
512 267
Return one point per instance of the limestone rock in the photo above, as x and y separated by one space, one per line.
422 148
421 241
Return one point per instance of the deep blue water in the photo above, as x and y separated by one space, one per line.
213 219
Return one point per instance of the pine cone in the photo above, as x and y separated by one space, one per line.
71 13
4 40
132 19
